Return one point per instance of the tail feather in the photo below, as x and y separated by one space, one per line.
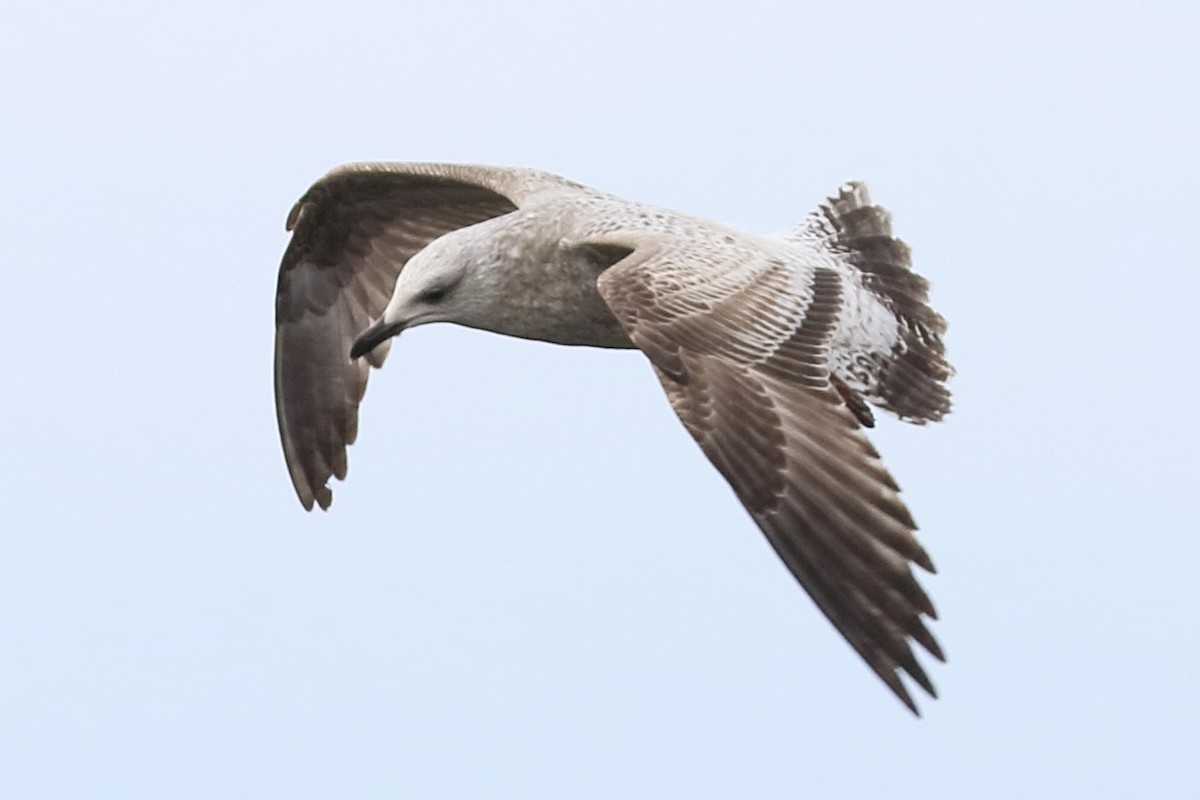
911 385
908 380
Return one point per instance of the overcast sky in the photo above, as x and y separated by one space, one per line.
533 584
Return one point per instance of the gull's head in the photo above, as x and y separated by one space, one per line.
436 285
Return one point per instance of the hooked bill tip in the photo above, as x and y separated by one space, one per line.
372 337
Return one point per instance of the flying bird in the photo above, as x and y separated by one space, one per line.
771 349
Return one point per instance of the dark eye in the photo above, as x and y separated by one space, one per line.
435 294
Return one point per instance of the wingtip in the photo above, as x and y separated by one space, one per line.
906 698
322 497
903 695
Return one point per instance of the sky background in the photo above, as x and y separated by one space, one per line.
533 584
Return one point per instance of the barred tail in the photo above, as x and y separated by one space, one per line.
909 379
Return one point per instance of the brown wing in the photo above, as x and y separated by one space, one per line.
352 232
739 343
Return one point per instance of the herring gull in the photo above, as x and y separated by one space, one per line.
771 349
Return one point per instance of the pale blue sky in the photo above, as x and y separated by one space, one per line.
534 585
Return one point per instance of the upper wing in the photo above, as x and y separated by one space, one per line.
352 232
739 341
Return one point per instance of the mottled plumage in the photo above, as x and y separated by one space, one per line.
769 348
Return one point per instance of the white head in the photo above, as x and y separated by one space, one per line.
441 283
